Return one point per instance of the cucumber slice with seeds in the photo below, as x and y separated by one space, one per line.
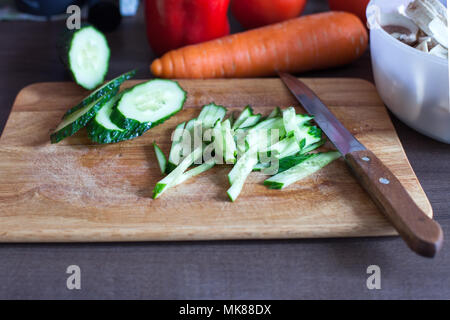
102 130
148 104
78 119
85 53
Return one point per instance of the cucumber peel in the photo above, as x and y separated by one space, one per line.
305 168
78 119
104 89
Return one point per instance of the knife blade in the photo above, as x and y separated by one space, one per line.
343 140
421 233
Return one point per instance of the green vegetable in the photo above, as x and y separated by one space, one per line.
148 104
240 172
297 138
275 113
175 149
303 169
104 89
85 53
78 119
102 130
247 112
161 158
250 121
195 171
171 179
210 114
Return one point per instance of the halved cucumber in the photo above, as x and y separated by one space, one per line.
107 87
102 130
78 119
85 52
148 104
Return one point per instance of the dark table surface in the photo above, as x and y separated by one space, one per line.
276 269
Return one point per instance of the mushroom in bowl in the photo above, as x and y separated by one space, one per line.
410 64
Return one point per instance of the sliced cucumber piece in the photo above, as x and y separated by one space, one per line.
107 87
313 146
230 151
275 113
196 171
290 123
291 161
309 135
148 104
102 130
250 121
303 169
175 149
161 158
78 119
247 112
286 147
210 114
85 53
240 172
172 178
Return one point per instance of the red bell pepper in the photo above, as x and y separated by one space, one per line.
175 23
258 13
357 7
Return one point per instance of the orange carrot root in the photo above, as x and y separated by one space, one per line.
315 41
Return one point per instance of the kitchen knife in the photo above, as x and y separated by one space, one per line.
421 233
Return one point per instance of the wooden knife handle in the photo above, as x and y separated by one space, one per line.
422 234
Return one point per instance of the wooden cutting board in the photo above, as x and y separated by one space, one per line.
78 191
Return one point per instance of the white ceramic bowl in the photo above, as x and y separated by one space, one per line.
413 84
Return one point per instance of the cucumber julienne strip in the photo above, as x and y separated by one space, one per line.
275 113
242 171
78 119
229 143
175 149
172 178
96 94
195 171
247 112
303 169
210 114
161 158
290 123
250 121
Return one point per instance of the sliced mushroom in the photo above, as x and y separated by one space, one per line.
431 17
400 27
440 31
422 46
439 51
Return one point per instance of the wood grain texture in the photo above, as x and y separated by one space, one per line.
79 191
422 234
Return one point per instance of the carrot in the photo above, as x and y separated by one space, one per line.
315 41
